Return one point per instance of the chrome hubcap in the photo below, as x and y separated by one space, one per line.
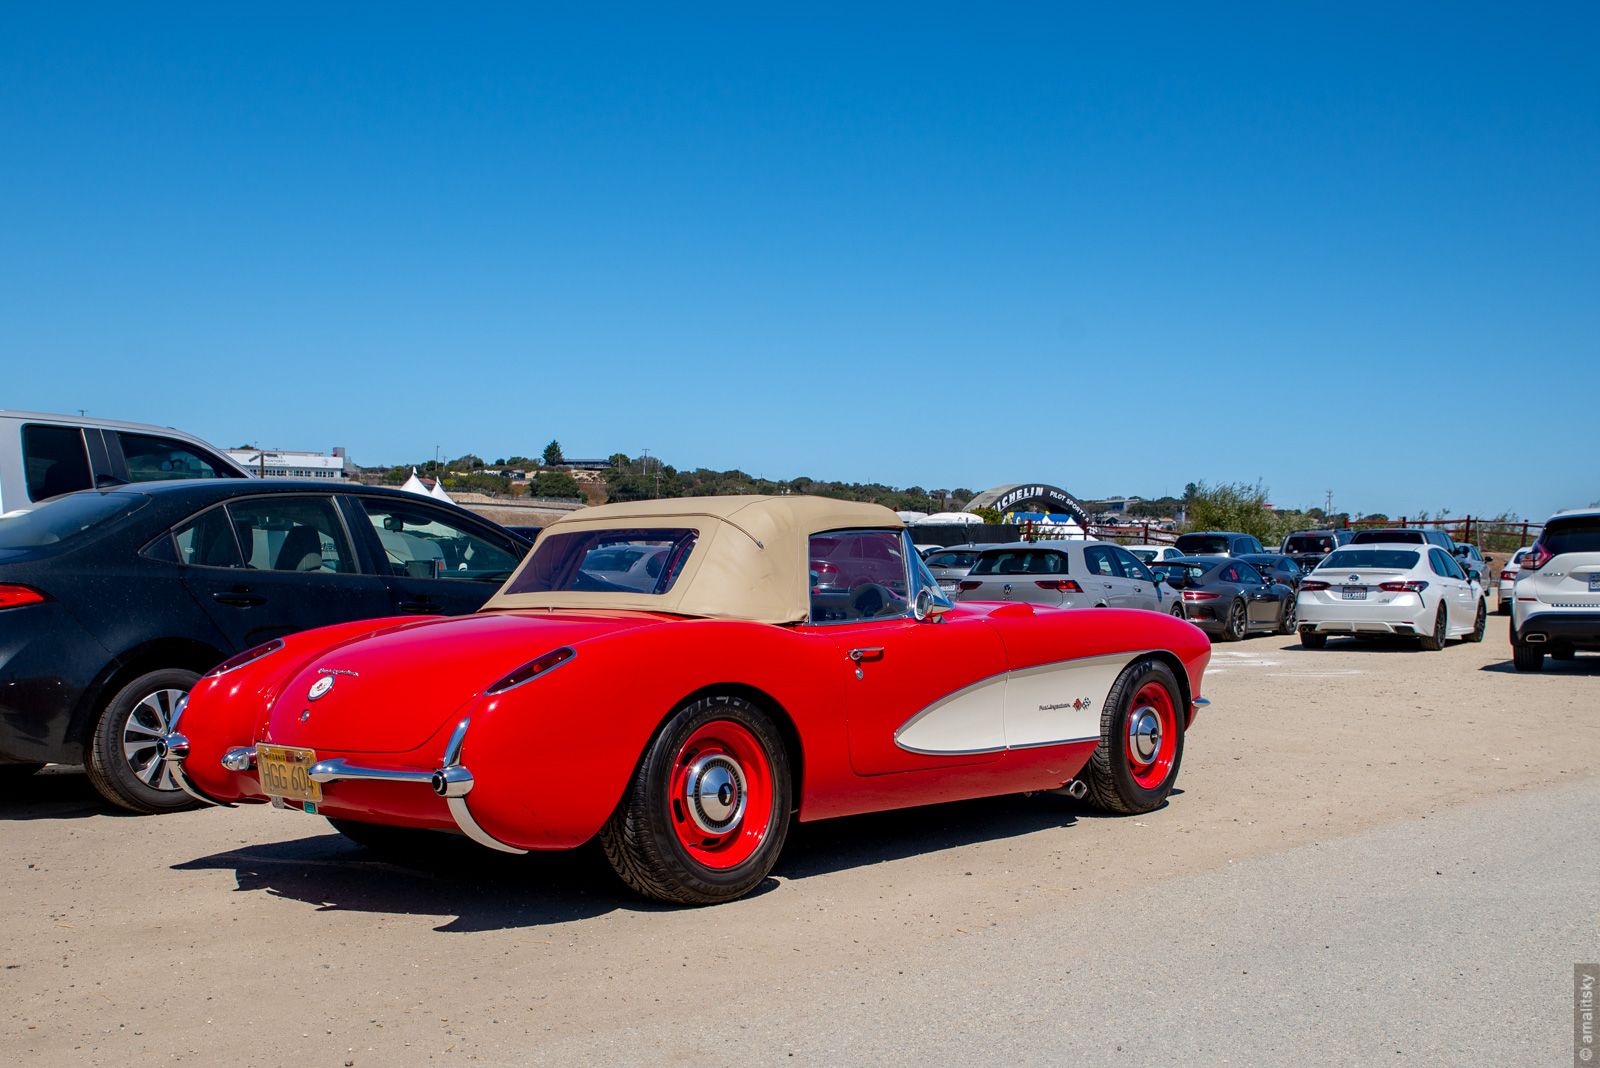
148 723
714 792
1144 734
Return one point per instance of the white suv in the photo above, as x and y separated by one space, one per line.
1556 606
44 456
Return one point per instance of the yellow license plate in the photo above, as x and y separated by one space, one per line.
286 773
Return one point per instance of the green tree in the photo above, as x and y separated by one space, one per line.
556 484
552 455
1237 506
988 515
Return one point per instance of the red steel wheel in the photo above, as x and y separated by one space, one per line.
704 817
1152 736
720 795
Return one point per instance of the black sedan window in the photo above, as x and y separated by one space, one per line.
208 541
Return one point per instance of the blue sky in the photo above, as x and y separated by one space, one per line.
1339 248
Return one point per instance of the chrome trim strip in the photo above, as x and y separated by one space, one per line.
469 826
174 750
995 748
1200 702
452 751
338 769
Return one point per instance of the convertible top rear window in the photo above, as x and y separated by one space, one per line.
1346 559
637 560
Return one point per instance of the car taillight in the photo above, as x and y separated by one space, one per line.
1537 557
533 669
1198 595
1060 585
1508 576
971 584
17 596
1313 585
241 659
1403 587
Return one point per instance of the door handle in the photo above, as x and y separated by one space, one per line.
239 599
865 655
426 604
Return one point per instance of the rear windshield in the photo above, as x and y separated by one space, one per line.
1021 562
1204 544
951 559
1573 536
1144 555
1356 559
1309 543
1367 537
607 561
64 519
1189 572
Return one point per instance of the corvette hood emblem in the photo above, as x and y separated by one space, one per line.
321 687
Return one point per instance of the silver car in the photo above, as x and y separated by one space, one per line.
950 566
1067 574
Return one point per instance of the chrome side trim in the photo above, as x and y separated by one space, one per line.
175 750
997 748
342 770
1200 702
469 827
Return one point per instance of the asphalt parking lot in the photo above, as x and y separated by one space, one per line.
1372 851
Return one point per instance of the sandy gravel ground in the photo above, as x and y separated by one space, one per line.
260 937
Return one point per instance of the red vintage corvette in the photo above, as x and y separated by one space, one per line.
679 678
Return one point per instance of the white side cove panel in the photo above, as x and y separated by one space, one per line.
1045 705
1060 702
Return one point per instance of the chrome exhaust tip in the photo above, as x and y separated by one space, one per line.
1077 789
454 781
1534 638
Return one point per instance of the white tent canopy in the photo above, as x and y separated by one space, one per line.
438 493
948 517
414 484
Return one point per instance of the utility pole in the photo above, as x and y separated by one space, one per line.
1328 506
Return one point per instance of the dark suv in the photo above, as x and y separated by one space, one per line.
1308 547
1218 543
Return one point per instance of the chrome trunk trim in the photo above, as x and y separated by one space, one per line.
340 770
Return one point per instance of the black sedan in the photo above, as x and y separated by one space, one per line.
1277 567
112 603
1224 596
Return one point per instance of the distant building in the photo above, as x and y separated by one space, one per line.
286 463
586 465
1119 505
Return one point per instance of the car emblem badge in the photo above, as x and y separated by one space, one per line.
305 715
1355 578
321 687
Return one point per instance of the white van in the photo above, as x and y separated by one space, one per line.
44 456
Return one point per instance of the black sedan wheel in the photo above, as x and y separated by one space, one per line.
706 813
1237 623
123 763
1482 622
1441 632
1311 638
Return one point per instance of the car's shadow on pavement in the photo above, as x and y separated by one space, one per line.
59 792
1583 665
449 876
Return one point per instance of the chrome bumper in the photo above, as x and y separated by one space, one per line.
451 781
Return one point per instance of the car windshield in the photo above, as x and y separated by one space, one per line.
1021 562
607 561
1309 543
64 519
1573 536
1357 559
1204 544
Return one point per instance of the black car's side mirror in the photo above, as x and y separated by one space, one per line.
1158 578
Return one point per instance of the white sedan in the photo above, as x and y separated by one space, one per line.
1154 554
1408 590
1507 586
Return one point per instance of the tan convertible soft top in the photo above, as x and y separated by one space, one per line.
750 561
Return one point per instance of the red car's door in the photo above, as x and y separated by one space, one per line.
898 669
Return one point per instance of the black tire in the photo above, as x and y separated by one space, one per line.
1503 607
1177 611
1237 625
1482 622
1527 657
642 839
1441 632
1109 775
122 764
397 842
1291 616
1311 639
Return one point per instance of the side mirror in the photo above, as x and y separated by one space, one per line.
922 607
1159 577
